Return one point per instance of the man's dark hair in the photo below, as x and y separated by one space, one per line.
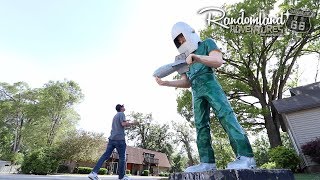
118 107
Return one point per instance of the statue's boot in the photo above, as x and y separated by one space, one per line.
202 167
242 162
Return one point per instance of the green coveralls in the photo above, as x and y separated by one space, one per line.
206 92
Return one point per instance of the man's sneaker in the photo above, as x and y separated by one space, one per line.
202 167
242 162
125 178
93 176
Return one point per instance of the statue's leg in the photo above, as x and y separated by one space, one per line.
201 109
224 112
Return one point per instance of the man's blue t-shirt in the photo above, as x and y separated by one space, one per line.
117 131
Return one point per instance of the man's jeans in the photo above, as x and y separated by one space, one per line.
121 146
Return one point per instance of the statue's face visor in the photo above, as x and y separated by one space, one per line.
179 40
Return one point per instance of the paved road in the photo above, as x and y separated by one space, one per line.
69 177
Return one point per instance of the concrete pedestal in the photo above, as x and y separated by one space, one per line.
242 174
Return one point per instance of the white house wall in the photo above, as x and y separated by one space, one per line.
305 125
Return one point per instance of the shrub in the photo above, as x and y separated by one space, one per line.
41 161
145 173
268 165
84 170
128 171
284 158
312 149
260 149
17 158
165 174
102 171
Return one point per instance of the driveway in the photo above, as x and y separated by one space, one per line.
70 177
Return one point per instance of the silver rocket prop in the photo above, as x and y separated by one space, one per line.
180 65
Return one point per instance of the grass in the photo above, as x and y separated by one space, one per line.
305 176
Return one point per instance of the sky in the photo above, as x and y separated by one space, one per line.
110 48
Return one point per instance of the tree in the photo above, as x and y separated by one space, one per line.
14 104
260 66
179 162
6 136
261 147
184 101
57 100
140 132
222 151
184 134
159 139
27 115
150 136
82 146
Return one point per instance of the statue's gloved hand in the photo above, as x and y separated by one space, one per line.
192 58
189 59
160 81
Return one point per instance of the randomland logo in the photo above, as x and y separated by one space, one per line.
296 20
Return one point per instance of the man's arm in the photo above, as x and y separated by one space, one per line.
128 123
214 59
181 83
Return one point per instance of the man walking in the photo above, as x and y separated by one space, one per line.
116 141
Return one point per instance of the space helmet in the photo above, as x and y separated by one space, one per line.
192 38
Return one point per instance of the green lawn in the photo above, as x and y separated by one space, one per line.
305 176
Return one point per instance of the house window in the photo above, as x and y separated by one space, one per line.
148 155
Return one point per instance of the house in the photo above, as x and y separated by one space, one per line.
4 166
8 167
139 159
301 115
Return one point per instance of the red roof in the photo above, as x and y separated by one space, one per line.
135 156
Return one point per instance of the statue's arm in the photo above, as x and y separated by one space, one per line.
214 59
183 82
